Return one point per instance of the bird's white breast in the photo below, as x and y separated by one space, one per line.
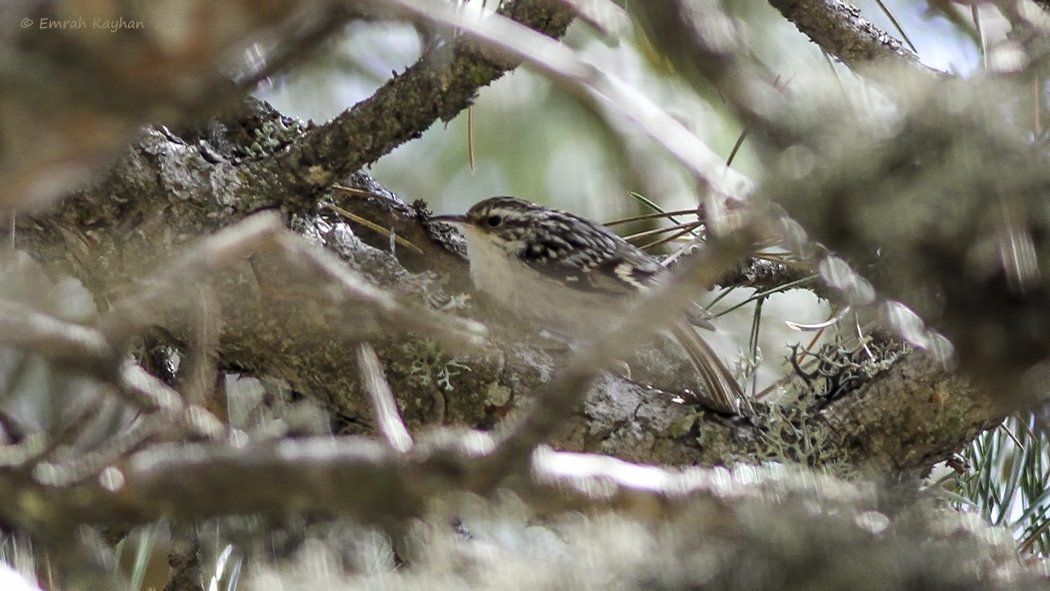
491 269
527 293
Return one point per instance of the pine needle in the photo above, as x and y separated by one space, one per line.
376 227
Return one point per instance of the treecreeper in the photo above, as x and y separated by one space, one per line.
571 274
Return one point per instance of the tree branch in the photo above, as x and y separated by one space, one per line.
439 86
840 30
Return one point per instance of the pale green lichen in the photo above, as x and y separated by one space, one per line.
790 437
430 366
793 433
681 426
498 394
273 135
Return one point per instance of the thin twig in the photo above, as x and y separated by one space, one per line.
376 227
198 372
687 226
651 216
688 231
388 419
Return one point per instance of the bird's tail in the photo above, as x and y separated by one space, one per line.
722 392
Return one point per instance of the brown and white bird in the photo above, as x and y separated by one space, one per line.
570 273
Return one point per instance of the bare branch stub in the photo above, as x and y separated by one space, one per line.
63 342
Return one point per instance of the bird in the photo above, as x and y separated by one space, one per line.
568 272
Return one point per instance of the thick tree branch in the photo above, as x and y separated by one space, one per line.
840 30
439 86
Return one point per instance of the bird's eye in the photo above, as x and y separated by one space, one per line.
494 221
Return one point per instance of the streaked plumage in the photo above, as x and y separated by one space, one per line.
569 272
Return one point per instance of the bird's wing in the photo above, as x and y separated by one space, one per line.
593 260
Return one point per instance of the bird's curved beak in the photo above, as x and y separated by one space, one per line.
449 218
